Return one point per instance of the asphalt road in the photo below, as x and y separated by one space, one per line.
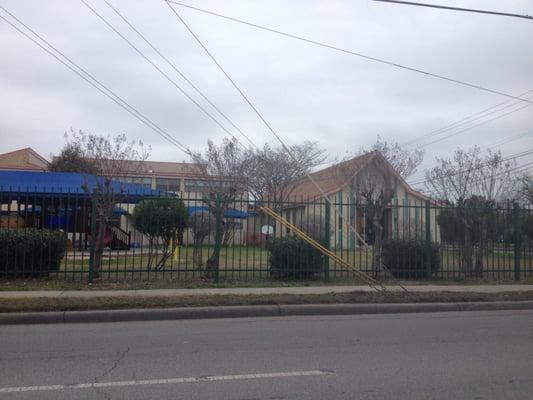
468 355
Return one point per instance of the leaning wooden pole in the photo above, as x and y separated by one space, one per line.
373 283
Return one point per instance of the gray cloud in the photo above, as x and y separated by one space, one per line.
305 91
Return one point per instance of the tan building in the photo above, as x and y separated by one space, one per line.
405 215
175 177
23 160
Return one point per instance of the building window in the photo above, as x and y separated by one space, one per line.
196 185
167 184
144 182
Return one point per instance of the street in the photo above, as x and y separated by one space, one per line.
466 355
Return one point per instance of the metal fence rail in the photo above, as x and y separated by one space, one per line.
499 250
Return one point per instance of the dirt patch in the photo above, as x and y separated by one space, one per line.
110 303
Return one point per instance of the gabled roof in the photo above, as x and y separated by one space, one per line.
25 159
331 179
338 176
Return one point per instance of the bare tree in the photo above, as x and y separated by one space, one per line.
526 188
373 187
104 161
404 161
202 223
272 172
221 167
473 183
470 173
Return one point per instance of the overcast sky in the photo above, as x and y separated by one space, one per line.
304 91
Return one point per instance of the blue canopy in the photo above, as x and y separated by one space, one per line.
230 212
64 184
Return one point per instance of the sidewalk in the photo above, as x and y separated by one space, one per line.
297 290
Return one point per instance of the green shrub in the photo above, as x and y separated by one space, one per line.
30 252
293 258
406 259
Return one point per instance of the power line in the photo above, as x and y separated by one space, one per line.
516 170
357 54
468 119
94 82
490 146
511 139
473 10
207 113
474 126
256 111
508 158
180 73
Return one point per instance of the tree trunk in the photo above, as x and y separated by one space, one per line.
168 251
99 248
212 264
468 250
482 245
378 244
197 260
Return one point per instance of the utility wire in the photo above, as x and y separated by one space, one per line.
516 170
473 10
256 111
508 158
468 119
416 180
511 139
180 73
172 81
473 126
354 53
90 79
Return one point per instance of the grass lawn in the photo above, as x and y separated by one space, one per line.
246 264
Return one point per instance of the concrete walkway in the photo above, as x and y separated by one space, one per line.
259 291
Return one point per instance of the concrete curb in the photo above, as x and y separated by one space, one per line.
160 314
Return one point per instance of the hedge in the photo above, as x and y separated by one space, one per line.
407 259
293 258
30 252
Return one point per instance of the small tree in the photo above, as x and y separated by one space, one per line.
72 159
473 183
271 172
202 224
222 168
103 161
162 219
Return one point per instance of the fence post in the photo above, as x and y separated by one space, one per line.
218 235
327 239
517 240
428 239
92 242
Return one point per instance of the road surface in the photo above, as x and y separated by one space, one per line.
468 355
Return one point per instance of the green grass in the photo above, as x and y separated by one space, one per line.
243 265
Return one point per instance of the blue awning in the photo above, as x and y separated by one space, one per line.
64 184
230 212
68 210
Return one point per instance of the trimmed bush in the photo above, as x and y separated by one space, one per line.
406 259
30 252
293 258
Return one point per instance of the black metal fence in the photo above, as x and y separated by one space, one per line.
411 239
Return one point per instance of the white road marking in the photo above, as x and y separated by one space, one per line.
215 378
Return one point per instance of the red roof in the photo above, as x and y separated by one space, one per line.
338 176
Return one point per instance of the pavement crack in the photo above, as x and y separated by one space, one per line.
121 356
